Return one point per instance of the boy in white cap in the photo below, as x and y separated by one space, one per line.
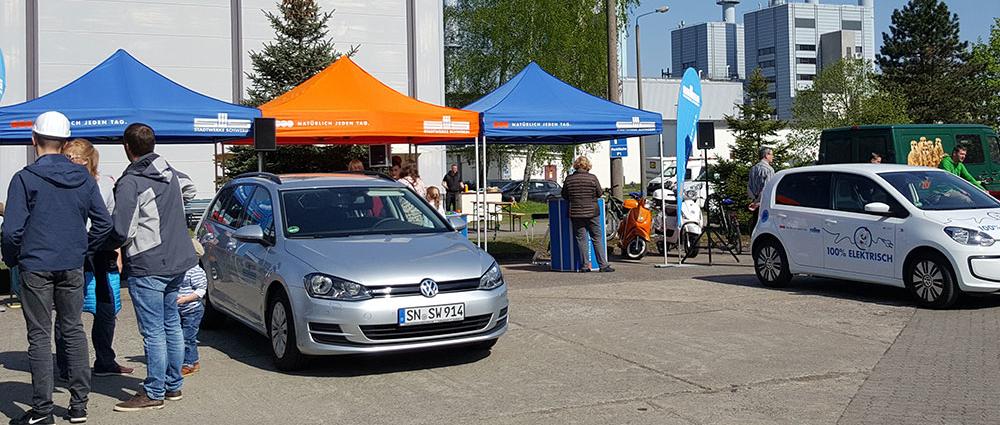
45 235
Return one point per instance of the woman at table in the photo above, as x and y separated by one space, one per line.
411 177
582 189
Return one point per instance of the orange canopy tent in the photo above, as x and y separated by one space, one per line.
343 104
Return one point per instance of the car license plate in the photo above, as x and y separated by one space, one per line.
432 314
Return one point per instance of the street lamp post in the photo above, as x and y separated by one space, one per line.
638 85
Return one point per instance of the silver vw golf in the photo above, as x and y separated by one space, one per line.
345 263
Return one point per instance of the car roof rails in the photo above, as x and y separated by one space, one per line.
373 174
263 175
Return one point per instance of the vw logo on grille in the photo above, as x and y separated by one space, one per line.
428 288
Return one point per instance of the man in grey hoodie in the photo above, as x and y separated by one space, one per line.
45 236
150 228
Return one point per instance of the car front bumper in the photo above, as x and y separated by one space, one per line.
328 327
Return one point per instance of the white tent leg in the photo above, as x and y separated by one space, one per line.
475 204
486 238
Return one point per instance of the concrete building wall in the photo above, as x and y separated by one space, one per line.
715 49
191 42
777 40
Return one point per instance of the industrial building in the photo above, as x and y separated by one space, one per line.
791 42
715 49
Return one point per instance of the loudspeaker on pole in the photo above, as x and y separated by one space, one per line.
263 135
706 135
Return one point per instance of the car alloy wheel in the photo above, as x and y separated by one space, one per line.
279 329
931 281
771 264
928 280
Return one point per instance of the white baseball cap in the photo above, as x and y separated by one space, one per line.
52 124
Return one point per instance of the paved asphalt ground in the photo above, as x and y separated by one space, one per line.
697 345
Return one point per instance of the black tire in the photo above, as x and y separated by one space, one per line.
611 223
690 244
771 264
281 335
734 237
931 280
636 249
483 345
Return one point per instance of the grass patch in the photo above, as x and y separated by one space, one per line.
530 207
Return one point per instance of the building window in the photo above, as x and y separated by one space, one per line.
851 25
689 65
807 61
766 64
847 52
806 77
772 95
805 23
805 47
859 51
765 51
769 79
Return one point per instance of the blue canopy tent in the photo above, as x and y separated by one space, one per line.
535 107
120 91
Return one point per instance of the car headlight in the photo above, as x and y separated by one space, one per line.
492 279
969 236
334 288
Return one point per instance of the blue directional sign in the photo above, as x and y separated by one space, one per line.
619 148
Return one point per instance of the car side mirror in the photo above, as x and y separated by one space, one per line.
458 222
877 208
250 233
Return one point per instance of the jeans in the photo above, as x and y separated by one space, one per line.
587 230
39 291
155 302
190 322
102 335
451 201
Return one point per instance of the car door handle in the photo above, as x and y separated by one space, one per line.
782 215
829 221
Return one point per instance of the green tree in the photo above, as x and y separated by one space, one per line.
924 59
300 50
754 126
844 94
489 41
986 55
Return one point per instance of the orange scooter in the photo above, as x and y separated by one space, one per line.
634 230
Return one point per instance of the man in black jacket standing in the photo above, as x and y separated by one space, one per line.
453 186
45 235
582 189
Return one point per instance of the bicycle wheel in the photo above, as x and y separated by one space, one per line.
733 234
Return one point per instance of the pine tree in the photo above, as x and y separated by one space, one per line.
755 126
301 49
924 59
756 122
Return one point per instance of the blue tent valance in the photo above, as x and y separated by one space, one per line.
535 107
120 91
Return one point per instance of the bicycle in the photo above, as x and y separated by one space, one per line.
614 213
725 224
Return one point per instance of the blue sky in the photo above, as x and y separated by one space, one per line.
975 18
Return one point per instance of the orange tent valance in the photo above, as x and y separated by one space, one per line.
343 104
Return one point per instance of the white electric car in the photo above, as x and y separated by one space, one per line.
919 228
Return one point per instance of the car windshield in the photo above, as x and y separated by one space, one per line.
350 211
935 190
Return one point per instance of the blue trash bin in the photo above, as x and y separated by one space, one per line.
565 252
465 231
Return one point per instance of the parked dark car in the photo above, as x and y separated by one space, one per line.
538 190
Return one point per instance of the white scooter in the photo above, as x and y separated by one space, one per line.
665 233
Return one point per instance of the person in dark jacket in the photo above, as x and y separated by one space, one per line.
582 189
150 228
45 236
